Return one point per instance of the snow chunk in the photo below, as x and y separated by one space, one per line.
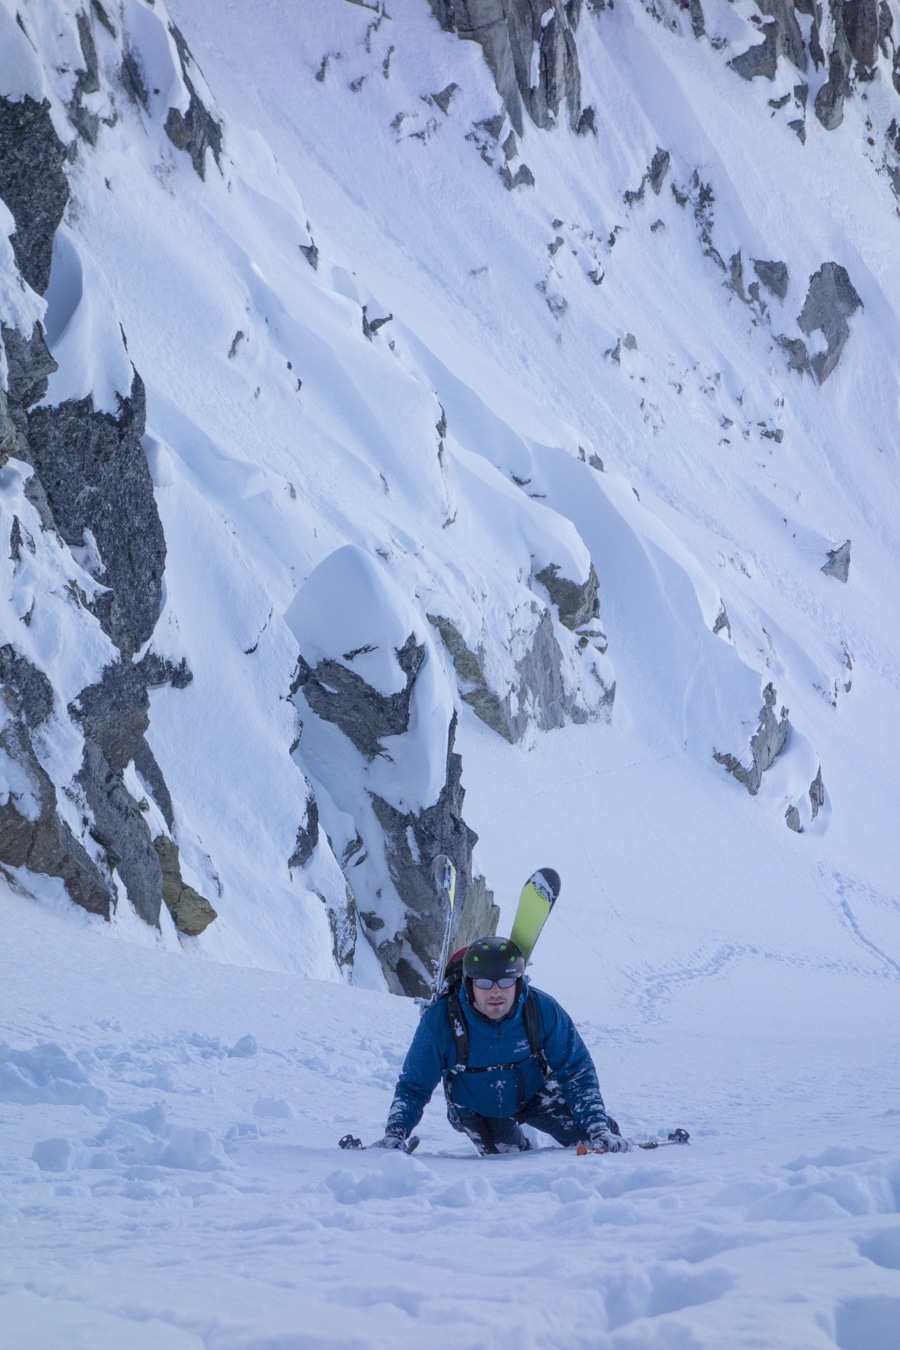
46 1074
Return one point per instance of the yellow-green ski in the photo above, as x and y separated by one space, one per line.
539 895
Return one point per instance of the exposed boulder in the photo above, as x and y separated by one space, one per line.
190 912
816 793
32 184
837 563
829 104
830 301
766 744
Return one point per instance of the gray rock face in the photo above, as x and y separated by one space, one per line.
817 793
510 31
792 819
32 834
151 776
32 184
761 60
195 131
837 564
830 301
115 714
339 695
829 104
576 602
766 744
87 81
28 692
539 696
122 832
473 686
409 839
861 28
307 834
774 276
91 485
94 472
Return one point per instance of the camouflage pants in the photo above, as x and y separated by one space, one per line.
547 1111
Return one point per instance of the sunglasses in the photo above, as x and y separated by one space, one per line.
506 983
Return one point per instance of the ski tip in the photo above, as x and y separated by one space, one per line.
547 881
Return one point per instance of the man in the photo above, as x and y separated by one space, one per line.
508 1055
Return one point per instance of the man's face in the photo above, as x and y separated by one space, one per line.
494 1002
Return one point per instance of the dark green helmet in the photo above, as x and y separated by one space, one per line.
493 958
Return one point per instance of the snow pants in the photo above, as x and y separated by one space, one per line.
547 1111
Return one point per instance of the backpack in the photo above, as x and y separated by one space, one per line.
453 978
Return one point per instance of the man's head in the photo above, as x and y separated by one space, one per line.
493 969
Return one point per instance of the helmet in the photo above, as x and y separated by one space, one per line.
493 958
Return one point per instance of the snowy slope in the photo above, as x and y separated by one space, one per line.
169 1174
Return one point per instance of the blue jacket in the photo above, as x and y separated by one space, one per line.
432 1055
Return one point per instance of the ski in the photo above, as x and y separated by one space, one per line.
408 1146
539 895
445 879
678 1136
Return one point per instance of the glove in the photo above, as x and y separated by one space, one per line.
390 1141
604 1141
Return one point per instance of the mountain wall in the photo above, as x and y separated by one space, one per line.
279 515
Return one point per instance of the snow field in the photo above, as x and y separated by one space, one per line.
170 1178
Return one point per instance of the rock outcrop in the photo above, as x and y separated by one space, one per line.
191 912
531 50
766 744
367 670
92 490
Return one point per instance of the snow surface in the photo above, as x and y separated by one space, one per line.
169 1108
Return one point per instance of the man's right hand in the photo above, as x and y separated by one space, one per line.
394 1140
607 1142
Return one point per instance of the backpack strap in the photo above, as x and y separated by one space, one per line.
460 1028
532 1026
